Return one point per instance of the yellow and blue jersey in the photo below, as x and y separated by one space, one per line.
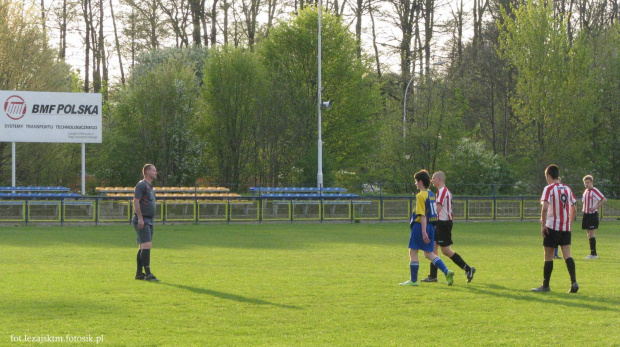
425 206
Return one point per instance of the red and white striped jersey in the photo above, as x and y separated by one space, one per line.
591 197
560 198
444 197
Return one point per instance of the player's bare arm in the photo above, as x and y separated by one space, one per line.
543 219
138 211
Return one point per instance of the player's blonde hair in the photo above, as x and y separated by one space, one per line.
441 175
588 178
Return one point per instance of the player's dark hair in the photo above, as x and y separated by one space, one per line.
145 168
553 171
423 176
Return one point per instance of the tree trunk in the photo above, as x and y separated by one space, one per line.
406 11
374 37
104 67
429 23
480 6
62 48
359 11
250 11
85 7
214 23
225 8
153 17
195 10
43 19
271 12
118 46
203 21
96 53
133 37
178 19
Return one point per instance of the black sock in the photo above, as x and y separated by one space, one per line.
139 262
456 258
433 273
547 273
593 246
145 255
570 265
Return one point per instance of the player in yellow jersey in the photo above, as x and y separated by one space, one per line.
423 231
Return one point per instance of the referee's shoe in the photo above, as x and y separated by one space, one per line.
151 277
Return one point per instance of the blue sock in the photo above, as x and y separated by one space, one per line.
414 266
440 265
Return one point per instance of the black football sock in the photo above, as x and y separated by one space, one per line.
433 273
593 246
145 255
456 258
547 273
570 265
139 262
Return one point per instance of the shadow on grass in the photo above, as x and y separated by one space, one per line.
562 298
228 296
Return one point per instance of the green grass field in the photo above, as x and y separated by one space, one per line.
298 284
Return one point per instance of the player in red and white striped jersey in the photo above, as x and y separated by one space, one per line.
443 229
561 202
592 200
556 216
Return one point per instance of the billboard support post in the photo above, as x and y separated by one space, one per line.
13 164
83 168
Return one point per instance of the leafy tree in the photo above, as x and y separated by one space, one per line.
27 63
601 128
153 120
484 85
548 102
349 129
475 170
232 96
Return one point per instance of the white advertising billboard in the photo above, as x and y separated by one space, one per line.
50 117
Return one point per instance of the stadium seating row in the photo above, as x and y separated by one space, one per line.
40 195
178 195
105 190
34 189
297 190
309 196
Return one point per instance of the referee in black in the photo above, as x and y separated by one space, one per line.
144 211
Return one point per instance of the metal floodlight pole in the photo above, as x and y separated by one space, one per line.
319 175
405 107
405 99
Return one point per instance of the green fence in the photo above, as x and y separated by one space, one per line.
258 209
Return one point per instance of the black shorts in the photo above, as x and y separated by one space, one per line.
146 233
443 233
556 238
590 221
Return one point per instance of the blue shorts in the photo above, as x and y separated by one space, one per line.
416 241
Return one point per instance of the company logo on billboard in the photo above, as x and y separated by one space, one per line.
15 107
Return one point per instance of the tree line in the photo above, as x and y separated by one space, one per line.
210 94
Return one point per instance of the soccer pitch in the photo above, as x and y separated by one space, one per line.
300 284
